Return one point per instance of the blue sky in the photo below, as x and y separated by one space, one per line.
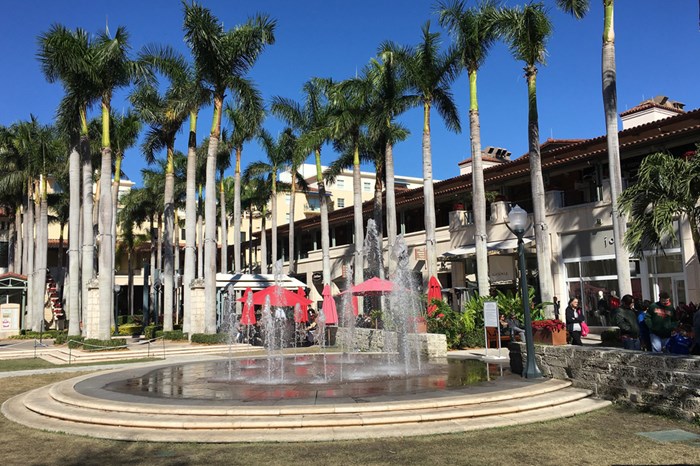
657 46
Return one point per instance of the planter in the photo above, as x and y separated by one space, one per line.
421 326
546 337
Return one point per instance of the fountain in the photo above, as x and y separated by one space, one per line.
376 383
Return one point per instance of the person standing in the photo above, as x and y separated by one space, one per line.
661 320
626 319
574 317
557 305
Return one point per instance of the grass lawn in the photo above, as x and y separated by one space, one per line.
603 437
7 365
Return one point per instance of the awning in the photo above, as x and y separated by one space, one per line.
467 250
256 281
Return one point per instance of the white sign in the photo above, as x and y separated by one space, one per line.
9 319
490 314
501 269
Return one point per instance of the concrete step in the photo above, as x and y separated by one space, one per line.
59 407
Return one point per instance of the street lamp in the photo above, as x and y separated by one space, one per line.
117 288
517 223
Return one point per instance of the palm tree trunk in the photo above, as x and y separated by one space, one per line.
428 195
478 191
105 228
210 221
113 228
357 215
273 206
224 229
200 239
26 203
250 238
379 224
19 242
619 222
42 234
88 256
32 311
263 243
154 271
168 267
177 300
292 201
237 211
390 205
130 267
190 222
12 243
325 230
537 181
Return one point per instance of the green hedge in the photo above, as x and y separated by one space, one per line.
93 344
130 329
210 339
31 335
171 335
150 331
129 319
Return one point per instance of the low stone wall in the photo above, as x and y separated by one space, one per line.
432 345
669 384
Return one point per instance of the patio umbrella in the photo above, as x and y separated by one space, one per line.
374 286
434 292
329 309
248 314
302 315
279 297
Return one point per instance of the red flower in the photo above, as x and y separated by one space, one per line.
551 325
441 315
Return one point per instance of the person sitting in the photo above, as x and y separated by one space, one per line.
505 328
661 320
311 329
515 327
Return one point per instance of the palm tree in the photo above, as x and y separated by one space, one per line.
277 152
389 100
473 35
578 8
165 114
114 69
526 29
223 162
222 58
125 129
310 120
132 214
246 116
666 188
350 107
188 87
255 196
66 56
430 73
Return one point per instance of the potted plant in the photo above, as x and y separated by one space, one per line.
549 332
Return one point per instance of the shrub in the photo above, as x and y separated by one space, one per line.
171 335
150 331
93 344
31 335
474 338
75 341
210 339
448 322
61 338
130 329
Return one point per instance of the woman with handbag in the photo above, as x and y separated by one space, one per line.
574 321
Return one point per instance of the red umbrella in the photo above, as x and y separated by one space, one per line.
373 286
329 309
303 309
279 297
248 314
434 292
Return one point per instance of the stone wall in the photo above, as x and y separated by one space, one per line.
669 384
432 345
196 311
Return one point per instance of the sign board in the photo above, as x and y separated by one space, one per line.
501 269
9 319
490 314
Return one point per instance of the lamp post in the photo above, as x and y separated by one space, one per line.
517 223
117 288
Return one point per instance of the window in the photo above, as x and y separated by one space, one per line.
341 202
287 198
340 183
366 186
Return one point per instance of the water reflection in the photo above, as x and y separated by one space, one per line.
363 376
